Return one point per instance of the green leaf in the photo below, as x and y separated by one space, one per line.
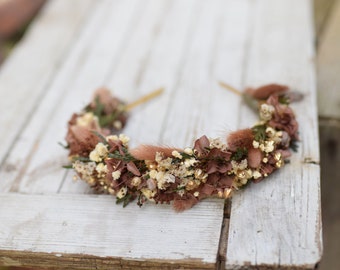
63 145
294 145
240 154
70 166
84 159
107 120
126 157
125 200
99 107
251 102
284 99
259 132
101 137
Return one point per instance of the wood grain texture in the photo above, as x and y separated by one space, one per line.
86 231
328 67
134 47
279 219
26 74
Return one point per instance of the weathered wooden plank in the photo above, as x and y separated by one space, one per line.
86 231
278 222
41 50
328 67
41 170
124 79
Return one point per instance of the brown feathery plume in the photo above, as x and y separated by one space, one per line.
148 152
81 140
240 139
265 91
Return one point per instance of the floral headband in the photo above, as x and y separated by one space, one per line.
211 167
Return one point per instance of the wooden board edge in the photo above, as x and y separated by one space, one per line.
85 261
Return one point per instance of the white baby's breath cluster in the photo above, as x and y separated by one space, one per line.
87 120
95 170
179 169
266 111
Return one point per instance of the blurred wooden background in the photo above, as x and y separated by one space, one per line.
327 27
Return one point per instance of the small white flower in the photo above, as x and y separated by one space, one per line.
101 149
266 111
116 175
216 143
149 194
169 178
196 194
242 165
256 144
176 154
190 162
158 157
122 192
94 156
124 139
270 132
165 163
153 174
112 138
86 119
117 124
111 191
136 181
269 146
101 168
159 176
188 151
256 174
181 192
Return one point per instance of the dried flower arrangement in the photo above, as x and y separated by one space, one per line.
211 167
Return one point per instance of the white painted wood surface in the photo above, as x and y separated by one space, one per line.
134 47
282 214
67 225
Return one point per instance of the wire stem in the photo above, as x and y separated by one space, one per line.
230 88
144 99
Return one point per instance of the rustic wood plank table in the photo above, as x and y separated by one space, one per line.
133 47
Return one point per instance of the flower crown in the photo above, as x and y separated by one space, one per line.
211 167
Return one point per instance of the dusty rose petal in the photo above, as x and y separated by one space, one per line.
283 118
267 169
285 153
263 92
151 184
239 139
148 152
105 97
131 167
163 197
183 204
213 178
207 189
254 157
212 167
201 144
225 181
